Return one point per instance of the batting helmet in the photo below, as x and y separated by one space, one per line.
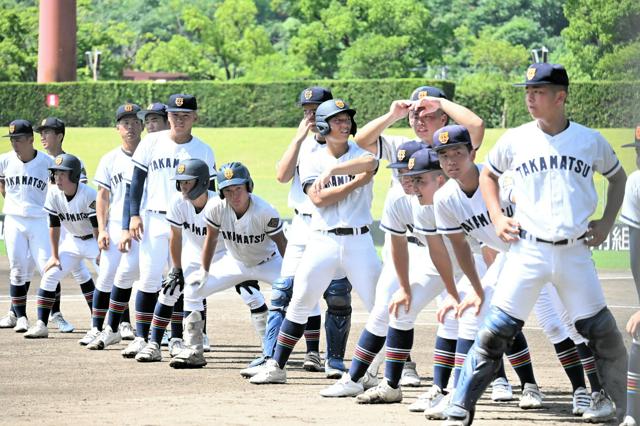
69 163
193 168
329 109
234 173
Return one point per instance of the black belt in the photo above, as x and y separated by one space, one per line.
349 231
84 237
414 240
301 214
267 259
157 211
526 235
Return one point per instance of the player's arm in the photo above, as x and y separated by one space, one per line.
335 194
54 241
506 228
599 229
175 246
441 260
210 243
135 198
286 167
367 136
281 242
488 255
364 164
102 215
400 258
467 264
2 188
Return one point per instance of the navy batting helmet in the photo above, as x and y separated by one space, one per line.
329 109
234 173
193 168
69 163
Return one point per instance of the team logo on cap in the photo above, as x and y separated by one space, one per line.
443 137
58 161
12 128
412 163
531 72
228 173
308 94
150 106
401 154
339 103
422 94
638 133
181 168
179 101
128 107
44 121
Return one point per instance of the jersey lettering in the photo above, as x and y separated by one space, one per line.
242 239
11 181
558 162
198 231
164 163
483 219
116 179
339 180
73 217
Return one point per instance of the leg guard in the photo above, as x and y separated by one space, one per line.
610 355
193 355
338 318
281 291
483 360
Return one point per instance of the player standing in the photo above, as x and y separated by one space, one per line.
154 117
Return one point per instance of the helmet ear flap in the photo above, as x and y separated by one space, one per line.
178 185
250 185
323 127
220 194
354 127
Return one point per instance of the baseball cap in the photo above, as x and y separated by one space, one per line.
126 110
52 123
404 152
422 161
636 143
19 128
314 95
449 136
424 91
182 103
154 108
545 73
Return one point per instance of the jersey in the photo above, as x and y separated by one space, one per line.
158 155
74 214
630 212
387 146
553 176
455 212
298 200
397 216
112 170
25 184
246 238
354 210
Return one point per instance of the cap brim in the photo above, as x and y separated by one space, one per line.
16 134
632 145
539 83
449 145
143 114
183 177
231 182
180 110
397 165
128 114
63 168
416 172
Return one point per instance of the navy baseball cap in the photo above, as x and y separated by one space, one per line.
404 152
127 110
545 73
154 108
422 161
636 143
449 136
424 91
182 103
314 95
19 128
52 123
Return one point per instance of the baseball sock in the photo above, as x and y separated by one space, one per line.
633 376
444 356
520 360
290 333
100 308
44 302
18 295
56 305
399 344
176 318
125 314
589 366
312 333
462 348
118 303
145 304
162 315
87 291
568 356
366 350
204 316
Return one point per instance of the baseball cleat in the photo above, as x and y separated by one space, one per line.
9 320
126 331
457 416
63 325
436 411
531 397
38 331
107 337
134 347
381 394
334 368
601 409
89 337
252 370
271 373
343 388
410 377
192 356
427 400
628 421
22 325
501 390
206 346
581 401
312 362
188 358
150 353
176 345
369 380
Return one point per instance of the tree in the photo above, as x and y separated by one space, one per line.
376 56
277 67
18 44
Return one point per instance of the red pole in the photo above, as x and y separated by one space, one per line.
57 41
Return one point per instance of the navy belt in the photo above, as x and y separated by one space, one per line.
157 211
527 236
84 237
267 259
349 231
414 240
301 214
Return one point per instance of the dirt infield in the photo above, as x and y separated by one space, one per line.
55 381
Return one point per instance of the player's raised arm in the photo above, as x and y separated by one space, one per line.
367 136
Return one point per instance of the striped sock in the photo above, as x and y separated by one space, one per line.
18 295
290 333
87 291
312 333
56 305
399 343
520 360
176 318
145 304
633 377
118 303
44 301
100 308
125 315
568 356
462 348
444 357
366 350
162 315
26 284
589 366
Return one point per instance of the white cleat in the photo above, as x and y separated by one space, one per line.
206 346
427 400
343 388
22 325
333 368
107 337
134 347
370 380
38 331
63 325
150 353
581 401
126 331
501 390
9 320
313 362
628 421
270 374
249 372
437 411
601 409
531 397
176 345
89 337
410 377
381 394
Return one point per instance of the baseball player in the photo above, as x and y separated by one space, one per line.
118 264
70 204
630 215
24 180
553 161
337 179
154 117
252 232
154 162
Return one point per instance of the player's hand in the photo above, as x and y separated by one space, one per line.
449 304
322 181
174 280
136 228
597 232
426 105
400 298
125 241
473 301
507 228
400 109
199 279
633 326
53 262
305 126
103 240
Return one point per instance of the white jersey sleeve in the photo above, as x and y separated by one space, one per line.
75 214
111 174
25 184
424 219
297 199
387 150
630 212
397 217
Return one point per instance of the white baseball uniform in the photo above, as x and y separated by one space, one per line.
630 211
387 149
